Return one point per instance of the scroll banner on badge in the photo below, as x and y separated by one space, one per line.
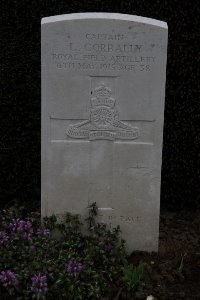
78 133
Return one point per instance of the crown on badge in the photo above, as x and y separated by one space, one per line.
102 97
103 91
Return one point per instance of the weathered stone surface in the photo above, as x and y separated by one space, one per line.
103 90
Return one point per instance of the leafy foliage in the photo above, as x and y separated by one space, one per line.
132 275
56 260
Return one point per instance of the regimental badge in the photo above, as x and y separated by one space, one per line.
104 123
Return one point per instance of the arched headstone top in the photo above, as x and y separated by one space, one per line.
102 15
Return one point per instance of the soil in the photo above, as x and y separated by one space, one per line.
165 278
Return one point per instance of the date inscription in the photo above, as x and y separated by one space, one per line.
126 219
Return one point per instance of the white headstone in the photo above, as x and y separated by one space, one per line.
103 91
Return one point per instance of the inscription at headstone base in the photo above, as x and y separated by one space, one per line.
103 91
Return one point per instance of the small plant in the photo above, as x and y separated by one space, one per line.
181 266
132 276
92 213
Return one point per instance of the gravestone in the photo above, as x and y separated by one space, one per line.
103 90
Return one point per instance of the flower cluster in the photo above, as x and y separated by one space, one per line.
74 268
43 232
39 284
3 238
8 279
36 264
22 227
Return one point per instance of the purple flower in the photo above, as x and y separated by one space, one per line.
46 232
43 232
39 284
3 238
108 247
33 248
74 268
22 227
8 279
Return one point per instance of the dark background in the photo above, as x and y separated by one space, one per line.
21 99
